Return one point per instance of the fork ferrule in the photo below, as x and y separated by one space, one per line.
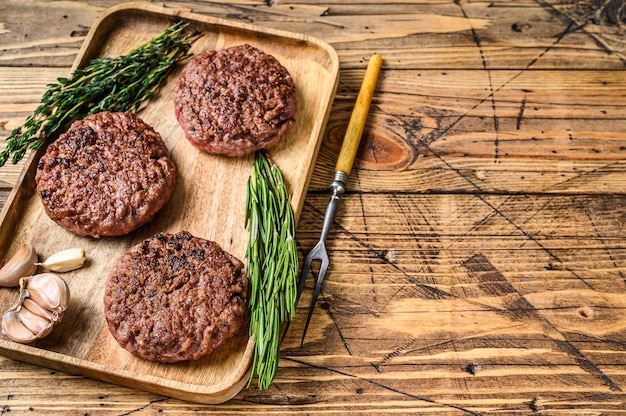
338 186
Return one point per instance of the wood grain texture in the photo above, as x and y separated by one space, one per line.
478 258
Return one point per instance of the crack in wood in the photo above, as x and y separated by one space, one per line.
603 242
150 403
496 122
520 115
582 175
396 352
345 343
595 18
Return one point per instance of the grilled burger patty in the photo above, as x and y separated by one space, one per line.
235 101
175 297
106 176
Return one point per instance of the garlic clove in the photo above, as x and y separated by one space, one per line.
47 290
13 328
23 263
34 307
65 261
36 324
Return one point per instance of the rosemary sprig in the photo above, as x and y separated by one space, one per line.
105 84
272 264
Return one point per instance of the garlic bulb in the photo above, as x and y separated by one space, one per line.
23 263
43 299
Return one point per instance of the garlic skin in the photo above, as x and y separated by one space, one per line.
23 263
47 290
65 261
42 301
13 328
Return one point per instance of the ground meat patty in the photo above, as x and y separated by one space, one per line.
107 175
175 297
235 101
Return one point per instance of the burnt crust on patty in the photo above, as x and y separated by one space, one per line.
107 175
235 101
175 297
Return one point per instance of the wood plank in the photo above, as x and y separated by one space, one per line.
20 93
509 132
526 33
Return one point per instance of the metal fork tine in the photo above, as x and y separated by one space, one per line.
304 273
322 255
306 267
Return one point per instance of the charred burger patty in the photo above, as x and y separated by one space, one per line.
235 101
175 297
109 174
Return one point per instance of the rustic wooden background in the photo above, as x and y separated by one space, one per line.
478 257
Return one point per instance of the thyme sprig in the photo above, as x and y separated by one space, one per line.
272 264
105 84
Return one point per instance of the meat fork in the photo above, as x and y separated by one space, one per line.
343 167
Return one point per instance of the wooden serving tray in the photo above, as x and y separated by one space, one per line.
208 202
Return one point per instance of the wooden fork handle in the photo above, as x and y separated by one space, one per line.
359 116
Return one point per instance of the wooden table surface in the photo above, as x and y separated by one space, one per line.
478 256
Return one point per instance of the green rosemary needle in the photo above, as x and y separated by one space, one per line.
272 264
105 84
